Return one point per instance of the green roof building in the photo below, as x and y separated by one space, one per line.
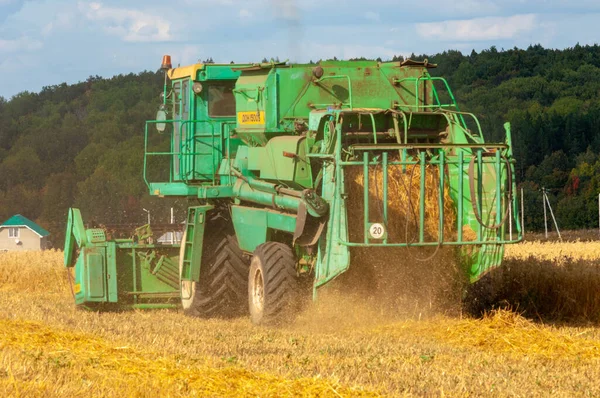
20 233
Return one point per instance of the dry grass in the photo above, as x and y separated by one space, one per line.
564 290
33 272
550 281
555 251
342 346
566 235
83 364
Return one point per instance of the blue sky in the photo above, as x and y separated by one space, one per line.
47 42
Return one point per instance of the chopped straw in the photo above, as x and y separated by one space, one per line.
504 332
103 368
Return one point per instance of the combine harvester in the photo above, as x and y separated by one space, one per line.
267 153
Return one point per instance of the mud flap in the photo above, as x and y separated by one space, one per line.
333 257
194 239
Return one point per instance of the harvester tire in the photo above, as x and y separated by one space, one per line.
274 291
221 291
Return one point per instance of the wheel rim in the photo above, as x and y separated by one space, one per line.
258 290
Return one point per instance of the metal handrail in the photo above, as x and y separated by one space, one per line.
349 89
181 153
191 157
441 162
417 80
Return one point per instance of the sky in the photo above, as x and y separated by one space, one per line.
48 42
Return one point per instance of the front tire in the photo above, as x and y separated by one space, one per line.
274 292
221 291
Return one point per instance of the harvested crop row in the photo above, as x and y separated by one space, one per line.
503 332
345 341
61 362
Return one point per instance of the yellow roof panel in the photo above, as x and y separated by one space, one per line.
184 71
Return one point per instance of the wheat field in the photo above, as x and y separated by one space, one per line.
559 252
342 346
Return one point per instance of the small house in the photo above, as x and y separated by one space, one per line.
20 233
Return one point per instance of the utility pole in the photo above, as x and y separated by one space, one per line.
554 219
551 214
545 216
522 213
147 211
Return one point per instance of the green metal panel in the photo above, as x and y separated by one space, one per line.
111 272
291 92
127 274
75 236
333 257
252 225
79 288
96 274
283 159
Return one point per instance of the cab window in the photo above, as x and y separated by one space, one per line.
221 101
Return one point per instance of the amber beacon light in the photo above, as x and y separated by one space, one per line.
166 63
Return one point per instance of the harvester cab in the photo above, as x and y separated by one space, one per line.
297 168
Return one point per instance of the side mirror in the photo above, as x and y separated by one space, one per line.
161 116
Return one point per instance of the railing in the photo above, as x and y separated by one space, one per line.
475 155
349 104
450 117
186 153
437 105
420 79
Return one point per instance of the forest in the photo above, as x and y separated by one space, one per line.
82 144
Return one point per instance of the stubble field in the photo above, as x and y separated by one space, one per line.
343 346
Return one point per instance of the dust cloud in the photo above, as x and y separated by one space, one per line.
387 285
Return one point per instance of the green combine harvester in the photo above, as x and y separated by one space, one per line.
264 152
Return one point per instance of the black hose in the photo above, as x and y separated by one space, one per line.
474 202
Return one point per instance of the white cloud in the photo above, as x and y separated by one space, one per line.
208 2
62 20
489 28
470 7
372 16
130 24
187 54
286 9
245 14
19 45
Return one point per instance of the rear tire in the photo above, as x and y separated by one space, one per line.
221 291
274 292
